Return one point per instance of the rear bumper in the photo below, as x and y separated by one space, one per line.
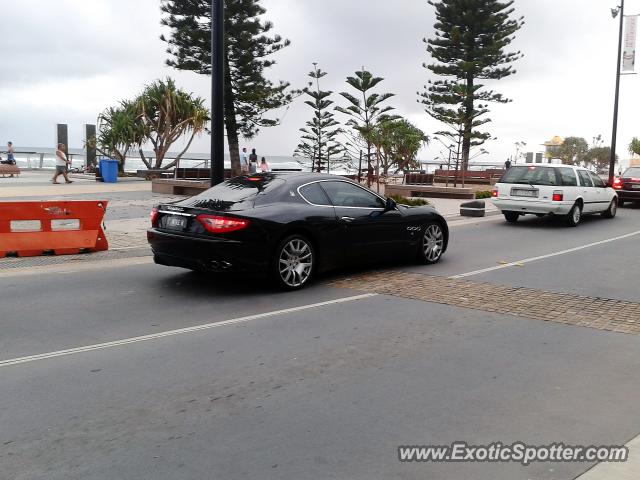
629 195
215 255
532 206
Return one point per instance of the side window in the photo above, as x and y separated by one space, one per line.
313 193
343 194
568 176
585 179
597 181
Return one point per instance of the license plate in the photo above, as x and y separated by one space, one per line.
519 192
635 186
176 222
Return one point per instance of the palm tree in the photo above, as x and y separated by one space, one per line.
167 113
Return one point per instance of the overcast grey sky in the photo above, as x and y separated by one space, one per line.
67 60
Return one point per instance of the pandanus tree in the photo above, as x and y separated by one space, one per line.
364 109
166 114
319 137
119 130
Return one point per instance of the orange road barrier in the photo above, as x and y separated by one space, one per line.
30 229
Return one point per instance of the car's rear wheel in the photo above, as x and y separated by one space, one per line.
294 262
511 217
612 210
575 215
432 244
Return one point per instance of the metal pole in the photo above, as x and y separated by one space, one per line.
614 137
217 92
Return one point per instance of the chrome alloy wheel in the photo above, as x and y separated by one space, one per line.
295 263
433 242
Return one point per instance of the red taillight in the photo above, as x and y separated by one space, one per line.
217 224
558 196
494 192
617 184
153 216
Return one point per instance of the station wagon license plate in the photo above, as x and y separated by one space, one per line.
523 192
175 222
635 186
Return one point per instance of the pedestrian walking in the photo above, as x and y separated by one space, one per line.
253 159
244 161
264 166
507 164
62 165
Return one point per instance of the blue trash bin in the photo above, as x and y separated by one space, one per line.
109 170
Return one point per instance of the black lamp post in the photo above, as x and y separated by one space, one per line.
614 139
217 92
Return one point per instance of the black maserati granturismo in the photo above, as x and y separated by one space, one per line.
291 226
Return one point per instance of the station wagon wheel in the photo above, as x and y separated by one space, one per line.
612 210
432 244
294 262
575 215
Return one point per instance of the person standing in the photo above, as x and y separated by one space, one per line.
244 161
10 154
507 164
253 158
264 166
62 164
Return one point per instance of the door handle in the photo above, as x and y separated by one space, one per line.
348 219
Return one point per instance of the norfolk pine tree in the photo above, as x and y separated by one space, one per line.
318 141
249 47
365 110
469 46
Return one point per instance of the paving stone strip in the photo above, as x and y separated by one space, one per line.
599 313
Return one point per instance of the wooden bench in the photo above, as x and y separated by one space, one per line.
418 179
6 169
470 176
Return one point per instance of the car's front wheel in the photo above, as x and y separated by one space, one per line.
511 217
575 215
431 246
294 262
612 210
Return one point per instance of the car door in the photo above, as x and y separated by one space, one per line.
602 194
370 230
587 191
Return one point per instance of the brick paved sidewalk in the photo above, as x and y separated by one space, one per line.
570 309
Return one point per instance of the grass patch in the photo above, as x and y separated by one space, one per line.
412 202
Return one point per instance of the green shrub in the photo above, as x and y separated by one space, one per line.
483 194
412 202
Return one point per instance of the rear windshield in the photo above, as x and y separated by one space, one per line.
236 193
532 175
632 172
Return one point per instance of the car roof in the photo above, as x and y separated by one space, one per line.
303 176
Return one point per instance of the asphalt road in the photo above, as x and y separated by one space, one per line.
315 391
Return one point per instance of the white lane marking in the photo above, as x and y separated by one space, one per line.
520 263
181 331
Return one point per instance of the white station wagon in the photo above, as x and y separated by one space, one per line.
553 190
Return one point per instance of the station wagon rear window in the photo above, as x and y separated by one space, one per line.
532 175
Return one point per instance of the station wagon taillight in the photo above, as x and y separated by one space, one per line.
617 184
218 224
558 196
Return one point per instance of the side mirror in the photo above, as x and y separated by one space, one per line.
391 204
